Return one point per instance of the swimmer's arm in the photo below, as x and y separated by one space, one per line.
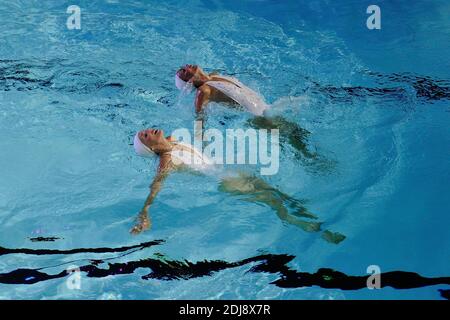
202 98
143 220
154 189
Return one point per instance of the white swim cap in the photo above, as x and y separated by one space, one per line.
141 149
183 85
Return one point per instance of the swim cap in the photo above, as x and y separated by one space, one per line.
183 85
141 149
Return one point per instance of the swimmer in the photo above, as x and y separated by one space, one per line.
224 89
218 88
174 155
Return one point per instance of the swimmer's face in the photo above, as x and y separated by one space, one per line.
153 139
188 71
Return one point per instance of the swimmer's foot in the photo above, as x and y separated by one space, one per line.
143 224
333 237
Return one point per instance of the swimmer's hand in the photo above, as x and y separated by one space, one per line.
143 224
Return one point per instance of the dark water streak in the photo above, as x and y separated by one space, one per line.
5 251
44 239
168 270
18 75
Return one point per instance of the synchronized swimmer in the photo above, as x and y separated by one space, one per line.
174 155
218 88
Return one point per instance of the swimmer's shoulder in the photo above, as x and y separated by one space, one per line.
205 88
226 79
212 93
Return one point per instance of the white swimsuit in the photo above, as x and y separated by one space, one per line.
191 157
240 93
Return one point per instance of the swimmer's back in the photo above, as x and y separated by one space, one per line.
232 89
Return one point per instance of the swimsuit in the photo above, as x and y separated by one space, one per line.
239 93
188 155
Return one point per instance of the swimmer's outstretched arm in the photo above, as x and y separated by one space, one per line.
143 220
202 98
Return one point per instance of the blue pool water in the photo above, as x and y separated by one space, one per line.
376 102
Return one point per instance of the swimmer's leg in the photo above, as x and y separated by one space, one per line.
291 133
257 190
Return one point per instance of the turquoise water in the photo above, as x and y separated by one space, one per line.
376 104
